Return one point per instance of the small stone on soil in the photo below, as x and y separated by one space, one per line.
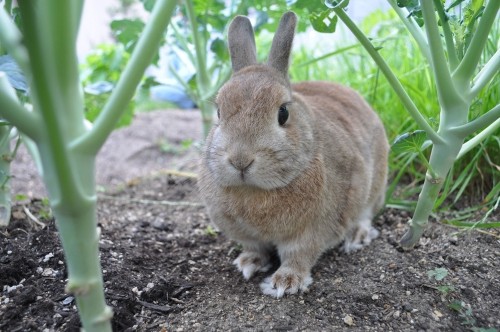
348 320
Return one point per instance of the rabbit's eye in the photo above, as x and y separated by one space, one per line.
282 115
218 113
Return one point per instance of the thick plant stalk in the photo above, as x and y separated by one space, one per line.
67 149
455 94
442 158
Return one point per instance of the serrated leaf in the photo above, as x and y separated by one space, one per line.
409 142
325 21
14 74
438 273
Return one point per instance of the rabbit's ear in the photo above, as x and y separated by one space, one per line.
282 43
241 43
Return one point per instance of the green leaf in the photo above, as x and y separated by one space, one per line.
148 4
325 21
456 305
456 3
413 7
311 6
219 47
21 197
14 73
471 225
484 329
193 83
472 9
94 103
409 142
336 3
127 32
445 289
408 3
438 273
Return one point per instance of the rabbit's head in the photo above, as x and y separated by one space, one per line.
264 137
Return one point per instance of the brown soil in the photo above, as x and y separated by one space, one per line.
165 269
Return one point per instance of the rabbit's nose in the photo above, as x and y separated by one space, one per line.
241 163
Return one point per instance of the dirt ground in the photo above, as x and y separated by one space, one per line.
166 269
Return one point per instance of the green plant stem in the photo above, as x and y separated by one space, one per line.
202 77
468 65
81 246
182 42
448 35
141 57
441 160
413 28
59 27
68 177
479 123
447 94
486 74
14 112
5 160
33 151
48 97
391 78
193 94
207 109
199 45
325 56
77 10
402 168
473 142
224 75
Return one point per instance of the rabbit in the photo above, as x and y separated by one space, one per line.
291 168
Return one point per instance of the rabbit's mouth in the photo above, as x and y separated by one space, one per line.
252 175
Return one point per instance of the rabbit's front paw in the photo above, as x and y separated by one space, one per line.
285 281
249 262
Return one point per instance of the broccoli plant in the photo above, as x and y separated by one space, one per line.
67 147
453 48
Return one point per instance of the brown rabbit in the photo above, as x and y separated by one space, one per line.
298 168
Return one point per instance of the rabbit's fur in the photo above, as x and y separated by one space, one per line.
301 187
